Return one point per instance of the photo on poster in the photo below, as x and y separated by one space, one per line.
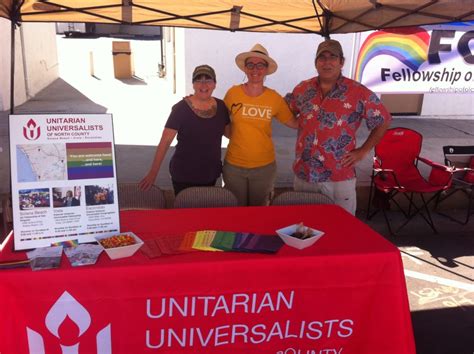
99 194
41 162
34 198
89 160
67 196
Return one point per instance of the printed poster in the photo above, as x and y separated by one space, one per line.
64 184
422 59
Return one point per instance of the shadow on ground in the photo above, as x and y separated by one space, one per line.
60 97
135 80
439 276
451 249
437 331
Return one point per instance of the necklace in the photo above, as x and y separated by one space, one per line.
207 112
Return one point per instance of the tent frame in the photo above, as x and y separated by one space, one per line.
331 17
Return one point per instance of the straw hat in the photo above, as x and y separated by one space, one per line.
257 51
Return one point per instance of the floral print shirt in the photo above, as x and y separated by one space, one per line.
327 126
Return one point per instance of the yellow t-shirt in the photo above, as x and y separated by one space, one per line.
251 142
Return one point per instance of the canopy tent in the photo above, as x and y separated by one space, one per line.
324 17
312 16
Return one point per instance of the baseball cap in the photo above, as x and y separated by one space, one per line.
330 45
204 70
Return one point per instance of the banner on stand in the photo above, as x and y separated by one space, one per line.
425 59
63 178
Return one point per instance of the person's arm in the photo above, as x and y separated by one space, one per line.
292 123
166 139
351 158
286 111
227 131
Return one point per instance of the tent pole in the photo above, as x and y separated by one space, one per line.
12 68
161 65
174 60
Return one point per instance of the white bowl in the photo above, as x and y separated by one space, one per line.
123 251
286 232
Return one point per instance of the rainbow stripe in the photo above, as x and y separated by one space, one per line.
409 45
89 160
66 244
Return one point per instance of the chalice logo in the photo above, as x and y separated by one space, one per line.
31 130
68 307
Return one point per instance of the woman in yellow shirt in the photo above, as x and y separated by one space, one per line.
249 168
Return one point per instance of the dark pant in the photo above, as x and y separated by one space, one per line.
179 186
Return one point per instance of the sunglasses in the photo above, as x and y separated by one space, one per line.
259 66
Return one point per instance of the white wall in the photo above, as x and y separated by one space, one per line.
294 54
182 74
4 62
35 60
5 55
448 105
39 44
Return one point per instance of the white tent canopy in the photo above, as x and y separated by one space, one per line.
312 16
324 17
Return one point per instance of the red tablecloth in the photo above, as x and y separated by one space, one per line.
345 294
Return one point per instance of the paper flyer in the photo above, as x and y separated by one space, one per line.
63 178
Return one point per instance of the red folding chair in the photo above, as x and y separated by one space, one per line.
461 159
396 171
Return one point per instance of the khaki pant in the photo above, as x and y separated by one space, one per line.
343 193
251 186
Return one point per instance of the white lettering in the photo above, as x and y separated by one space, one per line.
330 322
236 332
275 332
287 334
288 302
266 302
206 303
220 305
311 327
208 338
148 340
181 340
173 304
257 112
243 303
256 332
148 309
348 330
219 334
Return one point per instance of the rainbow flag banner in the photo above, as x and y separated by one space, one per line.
89 160
422 59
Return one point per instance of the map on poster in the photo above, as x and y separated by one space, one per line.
41 162
63 178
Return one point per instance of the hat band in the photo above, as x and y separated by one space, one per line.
258 51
